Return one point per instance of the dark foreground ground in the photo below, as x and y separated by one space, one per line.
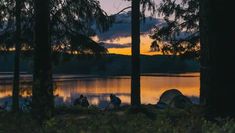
92 120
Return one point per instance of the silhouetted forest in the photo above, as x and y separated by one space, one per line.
110 64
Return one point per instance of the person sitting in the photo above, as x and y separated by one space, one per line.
77 100
115 101
27 104
82 101
4 107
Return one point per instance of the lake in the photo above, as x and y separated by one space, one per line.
98 88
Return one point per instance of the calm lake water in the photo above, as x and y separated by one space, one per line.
98 89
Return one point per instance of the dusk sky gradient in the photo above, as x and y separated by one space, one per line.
112 7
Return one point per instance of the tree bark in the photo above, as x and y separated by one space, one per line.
218 56
43 100
16 82
135 74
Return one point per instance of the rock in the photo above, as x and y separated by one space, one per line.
174 99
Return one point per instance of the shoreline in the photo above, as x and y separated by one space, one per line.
27 78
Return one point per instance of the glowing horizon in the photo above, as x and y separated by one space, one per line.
145 43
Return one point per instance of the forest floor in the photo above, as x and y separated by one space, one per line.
92 120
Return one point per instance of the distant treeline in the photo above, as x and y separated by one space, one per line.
106 64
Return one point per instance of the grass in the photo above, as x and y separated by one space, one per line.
92 120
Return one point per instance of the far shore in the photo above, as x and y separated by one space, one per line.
7 77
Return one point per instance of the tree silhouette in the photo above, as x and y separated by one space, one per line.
135 60
179 34
215 44
154 46
16 82
43 99
136 14
74 33
11 37
73 23
68 33
217 56
7 15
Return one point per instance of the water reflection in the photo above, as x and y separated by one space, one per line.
98 89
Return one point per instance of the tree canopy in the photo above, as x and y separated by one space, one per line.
179 34
73 22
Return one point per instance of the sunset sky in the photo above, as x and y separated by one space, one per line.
112 7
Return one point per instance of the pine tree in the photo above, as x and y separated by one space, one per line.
135 58
16 82
43 99
179 33
215 51
217 56
138 12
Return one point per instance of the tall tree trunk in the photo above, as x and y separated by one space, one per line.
205 60
16 82
135 72
43 100
218 56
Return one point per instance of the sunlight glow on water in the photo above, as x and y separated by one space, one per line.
98 89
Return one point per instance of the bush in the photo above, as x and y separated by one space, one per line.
92 120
